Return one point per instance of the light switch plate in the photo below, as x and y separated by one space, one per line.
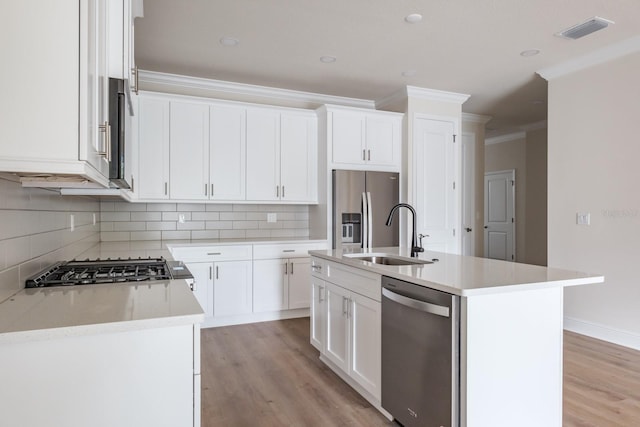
583 218
72 222
272 217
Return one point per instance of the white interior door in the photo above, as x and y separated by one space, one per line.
435 172
468 194
499 215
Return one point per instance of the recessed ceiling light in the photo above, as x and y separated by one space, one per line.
529 52
229 41
413 18
327 59
409 73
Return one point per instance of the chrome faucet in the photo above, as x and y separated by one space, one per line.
414 238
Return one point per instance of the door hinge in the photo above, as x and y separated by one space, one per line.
454 232
513 183
454 138
513 220
512 257
454 185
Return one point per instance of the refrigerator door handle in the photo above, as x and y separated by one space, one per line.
369 221
365 221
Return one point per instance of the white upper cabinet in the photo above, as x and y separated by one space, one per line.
363 139
189 151
298 157
153 148
122 14
56 89
227 152
281 155
263 155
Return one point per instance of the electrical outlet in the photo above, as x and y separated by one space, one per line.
272 217
72 222
583 218
181 218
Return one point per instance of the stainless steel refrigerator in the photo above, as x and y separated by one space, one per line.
361 203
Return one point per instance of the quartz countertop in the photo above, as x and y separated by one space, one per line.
464 275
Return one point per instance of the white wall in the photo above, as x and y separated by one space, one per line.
594 149
35 231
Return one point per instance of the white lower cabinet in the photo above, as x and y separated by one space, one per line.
232 288
223 288
346 325
280 284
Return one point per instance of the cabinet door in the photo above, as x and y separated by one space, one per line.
263 155
317 313
228 151
365 361
270 285
189 142
153 148
94 104
347 134
299 281
337 326
203 286
232 288
383 141
298 156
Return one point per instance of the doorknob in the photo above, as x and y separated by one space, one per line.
486 226
468 229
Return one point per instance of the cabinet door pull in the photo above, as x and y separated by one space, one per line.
206 188
321 294
106 141
368 154
288 250
291 268
344 306
166 188
286 264
210 273
134 71
364 155
277 191
214 253
217 276
283 191
211 190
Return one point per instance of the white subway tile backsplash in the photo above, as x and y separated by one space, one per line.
130 226
146 235
107 206
117 236
115 216
17 250
152 226
205 234
176 235
146 216
204 221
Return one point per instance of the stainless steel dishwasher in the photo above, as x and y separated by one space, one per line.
420 354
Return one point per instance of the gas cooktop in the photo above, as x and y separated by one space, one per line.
94 271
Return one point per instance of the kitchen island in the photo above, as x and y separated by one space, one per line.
510 329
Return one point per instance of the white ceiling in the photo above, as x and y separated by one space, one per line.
465 46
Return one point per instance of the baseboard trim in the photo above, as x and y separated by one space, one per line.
602 332
214 322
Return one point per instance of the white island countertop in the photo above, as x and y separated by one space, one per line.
464 275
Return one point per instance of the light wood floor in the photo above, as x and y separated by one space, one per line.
267 374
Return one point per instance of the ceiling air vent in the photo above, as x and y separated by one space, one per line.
580 30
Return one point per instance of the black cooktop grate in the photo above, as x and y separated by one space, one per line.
100 271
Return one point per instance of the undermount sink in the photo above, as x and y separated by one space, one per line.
387 259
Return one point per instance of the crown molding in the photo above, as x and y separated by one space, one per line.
475 118
605 54
176 80
505 138
422 93
534 126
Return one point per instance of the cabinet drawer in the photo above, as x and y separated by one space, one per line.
356 280
280 250
212 253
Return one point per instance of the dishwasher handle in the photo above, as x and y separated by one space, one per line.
427 307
